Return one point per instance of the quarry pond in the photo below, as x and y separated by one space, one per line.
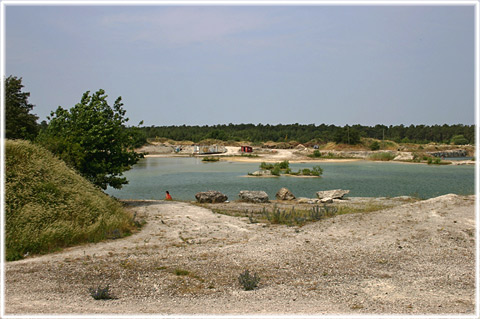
184 177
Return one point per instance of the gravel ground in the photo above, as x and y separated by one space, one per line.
415 258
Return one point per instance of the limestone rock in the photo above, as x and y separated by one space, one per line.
404 156
210 197
333 194
262 172
253 196
326 200
304 200
284 194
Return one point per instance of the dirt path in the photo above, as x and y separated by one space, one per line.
415 259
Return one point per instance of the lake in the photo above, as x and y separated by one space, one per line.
184 177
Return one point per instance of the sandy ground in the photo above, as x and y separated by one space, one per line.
416 258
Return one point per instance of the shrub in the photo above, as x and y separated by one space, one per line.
275 171
101 293
248 281
283 165
317 170
316 153
266 166
375 146
459 140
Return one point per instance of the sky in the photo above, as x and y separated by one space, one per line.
207 65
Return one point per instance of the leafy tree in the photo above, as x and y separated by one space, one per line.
19 123
91 137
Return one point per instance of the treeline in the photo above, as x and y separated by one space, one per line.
459 133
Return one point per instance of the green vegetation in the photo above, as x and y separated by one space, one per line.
284 168
459 140
316 154
91 138
248 281
181 272
375 146
19 123
383 156
313 134
48 206
210 159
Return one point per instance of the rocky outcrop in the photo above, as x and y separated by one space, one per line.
305 200
449 153
262 172
210 197
284 194
254 196
403 156
332 194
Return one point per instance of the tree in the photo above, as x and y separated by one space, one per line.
19 123
92 138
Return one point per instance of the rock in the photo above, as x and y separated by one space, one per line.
404 156
210 197
332 194
304 200
326 200
284 194
263 172
254 196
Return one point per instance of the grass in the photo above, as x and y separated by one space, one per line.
49 206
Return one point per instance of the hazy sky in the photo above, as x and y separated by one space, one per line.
199 65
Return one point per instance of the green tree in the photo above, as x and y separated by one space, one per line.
19 123
91 137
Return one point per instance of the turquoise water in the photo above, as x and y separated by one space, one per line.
184 177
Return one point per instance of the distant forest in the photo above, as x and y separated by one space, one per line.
315 133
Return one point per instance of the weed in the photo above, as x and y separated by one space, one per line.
100 293
181 272
248 281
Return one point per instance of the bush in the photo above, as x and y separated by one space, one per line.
459 140
283 165
248 281
375 146
316 153
101 293
275 171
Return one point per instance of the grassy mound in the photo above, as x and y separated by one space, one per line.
49 206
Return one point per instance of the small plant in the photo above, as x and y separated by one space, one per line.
181 272
248 281
100 293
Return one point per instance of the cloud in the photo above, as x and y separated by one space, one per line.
183 26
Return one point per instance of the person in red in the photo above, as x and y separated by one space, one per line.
167 196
